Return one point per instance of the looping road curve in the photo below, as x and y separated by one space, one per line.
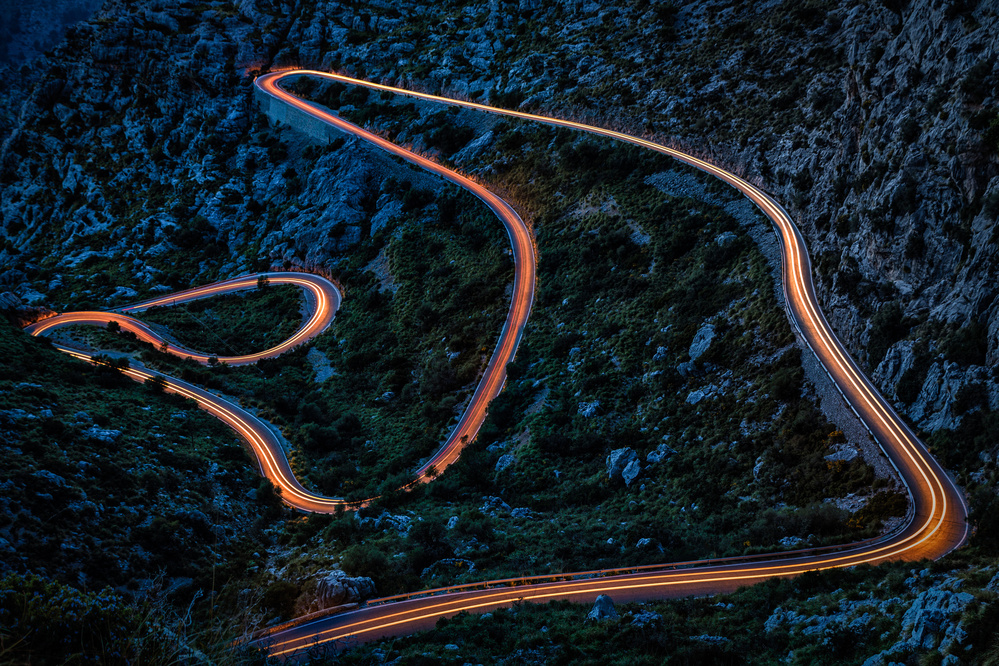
324 299
937 521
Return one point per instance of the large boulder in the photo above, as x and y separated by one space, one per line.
603 609
663 452
337 588
505 461
9 301
491 506
702 340
623 464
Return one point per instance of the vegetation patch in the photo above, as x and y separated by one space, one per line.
233 324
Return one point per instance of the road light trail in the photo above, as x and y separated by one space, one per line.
273 461
325 302
937 524
525 272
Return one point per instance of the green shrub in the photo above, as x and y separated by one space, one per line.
967 345
44 622
450 138
880 507
364 559
279 598
888 325
971 396
911 383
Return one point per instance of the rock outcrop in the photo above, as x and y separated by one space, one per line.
930 622
623 464
878 139
337 588
702 340
603 609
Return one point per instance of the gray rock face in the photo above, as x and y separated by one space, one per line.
709 391
336 588
726 239
645 619
331 220
631 472
102 435
843 453
505 461
696 396
662 452
589 409
9 301
51 478
702 340
933 408
993 585
321 365
386 520
471 152
929 621
603 609
494 505
35 26
623 464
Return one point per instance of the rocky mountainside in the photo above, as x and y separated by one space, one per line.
132 161
28 29
875 124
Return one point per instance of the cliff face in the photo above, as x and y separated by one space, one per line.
29 28
903 199
876 124
871 122
897 190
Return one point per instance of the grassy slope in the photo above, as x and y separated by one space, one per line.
234 324
108 483
96 465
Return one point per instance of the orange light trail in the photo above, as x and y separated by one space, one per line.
327 301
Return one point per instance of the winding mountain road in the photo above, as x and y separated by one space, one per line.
937 520
324 299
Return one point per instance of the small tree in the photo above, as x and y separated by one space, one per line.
263 282
109 370
156 384
213 361
113 327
